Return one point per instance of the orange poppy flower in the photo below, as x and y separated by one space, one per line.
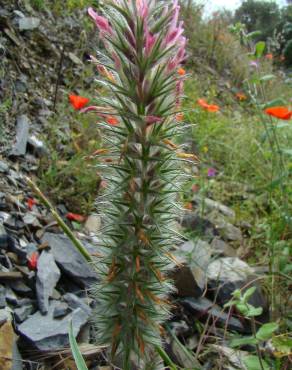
203 103
112 120
78 102
181 71
209 107
279 112
269 56
241 96
213 108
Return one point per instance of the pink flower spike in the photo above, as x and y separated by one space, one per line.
101 22
152 119
142 8
150 41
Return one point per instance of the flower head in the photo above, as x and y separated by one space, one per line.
240 96
269 56
181 71
211 172
209 107
279 112
78 102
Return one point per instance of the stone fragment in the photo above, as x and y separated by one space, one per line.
190 278
221 248
23 312
21 288
38 146
70 261
61 310
212 205
48 334
4 168
28 23
48 275
2 297
3 238
202 307
76 302
22 132
199 225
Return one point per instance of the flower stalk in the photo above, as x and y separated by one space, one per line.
141 70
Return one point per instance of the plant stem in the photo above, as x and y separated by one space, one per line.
79 246
253 326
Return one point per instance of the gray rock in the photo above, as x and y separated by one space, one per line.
211 205
3 238
22 132
23 312
28 23
76 302
20 288
49 334
61 310
2 297
227 231
70 260
38 146
199 225
227 274
48 275
31 219
5 314
202 307
4 167
221 248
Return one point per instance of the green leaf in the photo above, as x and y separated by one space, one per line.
283 344
265 331
243 341
254 311
80 363
287 151
259 50
246 296
274 103
267 78
253 363
253 34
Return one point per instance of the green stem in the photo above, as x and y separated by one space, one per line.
79 246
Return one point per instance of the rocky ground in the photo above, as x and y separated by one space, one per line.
44 282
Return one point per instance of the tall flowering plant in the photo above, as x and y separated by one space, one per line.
144 46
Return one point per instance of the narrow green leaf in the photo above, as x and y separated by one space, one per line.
243 341
80 363
267 78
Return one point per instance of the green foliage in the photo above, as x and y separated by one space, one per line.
259 16
79 361
259 49
288 52
241 303
253 363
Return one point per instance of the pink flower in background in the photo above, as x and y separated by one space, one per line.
211 172
142 8
254 64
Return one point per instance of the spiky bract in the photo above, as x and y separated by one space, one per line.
144 47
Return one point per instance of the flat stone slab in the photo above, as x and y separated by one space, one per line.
70 261
49 334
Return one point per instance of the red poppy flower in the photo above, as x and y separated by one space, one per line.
32 261
78 102
112 120
75 217
30 203
279 112
269 56
203 103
